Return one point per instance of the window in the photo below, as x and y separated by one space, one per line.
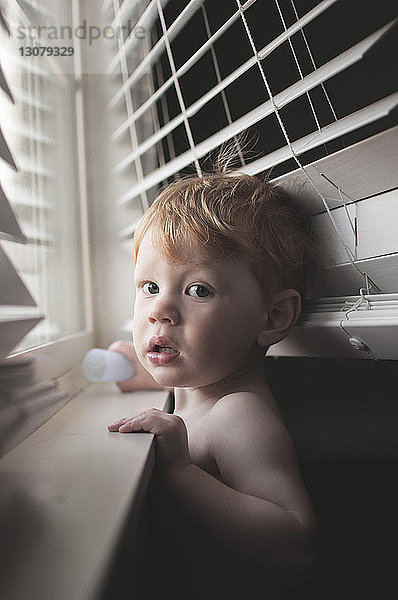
314 84
41 130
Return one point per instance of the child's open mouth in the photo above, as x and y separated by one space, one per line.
161 352
165 349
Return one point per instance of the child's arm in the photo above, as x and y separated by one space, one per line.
266 498
260 508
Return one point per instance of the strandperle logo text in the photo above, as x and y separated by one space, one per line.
84 31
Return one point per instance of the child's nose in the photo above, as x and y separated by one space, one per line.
164 312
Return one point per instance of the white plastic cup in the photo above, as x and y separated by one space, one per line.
107 365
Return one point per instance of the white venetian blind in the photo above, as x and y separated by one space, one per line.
39 179
12 291
316 84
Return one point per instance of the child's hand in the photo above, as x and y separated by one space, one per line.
170 431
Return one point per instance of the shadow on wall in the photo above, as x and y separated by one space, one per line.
343 417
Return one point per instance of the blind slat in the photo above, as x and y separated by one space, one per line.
336 303
12 291
344 280
31 101
27 165
359 171
4 23
32 199
13 330
28 133
4 85
5 152
365 245
8 223
38 235
37 6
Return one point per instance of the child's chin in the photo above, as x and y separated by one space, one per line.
164 379
171 381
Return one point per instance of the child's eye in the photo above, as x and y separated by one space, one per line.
198 291
150 287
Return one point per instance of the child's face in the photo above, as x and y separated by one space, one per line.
194 323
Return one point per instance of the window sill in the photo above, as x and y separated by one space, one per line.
66 495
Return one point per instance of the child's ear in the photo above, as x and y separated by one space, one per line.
283 311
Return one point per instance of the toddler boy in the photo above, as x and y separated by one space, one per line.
220 267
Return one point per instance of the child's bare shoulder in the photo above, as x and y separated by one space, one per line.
254 451
249 424
244 409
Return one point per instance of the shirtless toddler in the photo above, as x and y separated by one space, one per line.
220 264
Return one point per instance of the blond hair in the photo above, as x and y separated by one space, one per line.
232 216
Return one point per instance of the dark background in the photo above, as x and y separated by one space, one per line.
343 417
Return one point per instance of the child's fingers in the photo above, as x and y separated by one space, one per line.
151 421
137 422
148 421
131 425
116 424
170 432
